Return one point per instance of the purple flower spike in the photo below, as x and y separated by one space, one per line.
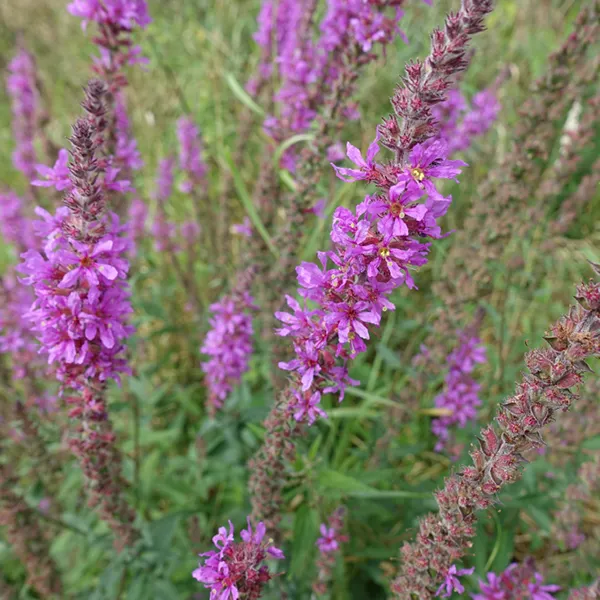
21 85
229 344
236 569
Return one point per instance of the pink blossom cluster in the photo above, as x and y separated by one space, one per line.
59 176
309 65
79 273
82 299
461 391
166 233
15 228
228 344
21 85
517 581
460 123
374 251
15 335
125 13
235 569
116 19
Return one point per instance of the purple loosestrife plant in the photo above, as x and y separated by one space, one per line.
374 251
375 248
461 391
517 581
329 545
229 342
82 306
116 20
21 84
545 391
235 569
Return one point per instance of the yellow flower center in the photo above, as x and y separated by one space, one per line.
418 173
384 252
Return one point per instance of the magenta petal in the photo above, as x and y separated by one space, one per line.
70 279
107 271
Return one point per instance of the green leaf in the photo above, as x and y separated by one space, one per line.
242 95
541 517
349 486
306 529
247 203
295 139
592 443
163 530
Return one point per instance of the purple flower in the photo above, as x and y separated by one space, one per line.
127 155
229 345
90 264
138 215
125 13
164 179
319 208
190 154
57 176
328 541
366 166
452 583
21 84
459 124
236 569
539 591
398 209
15 228
516 581
429 161
306 407
460 395
243 228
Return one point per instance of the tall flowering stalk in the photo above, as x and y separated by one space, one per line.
375 250
461 391
329 544
21 84
318 80
116 20
542 394
82 306
499 213
229 342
